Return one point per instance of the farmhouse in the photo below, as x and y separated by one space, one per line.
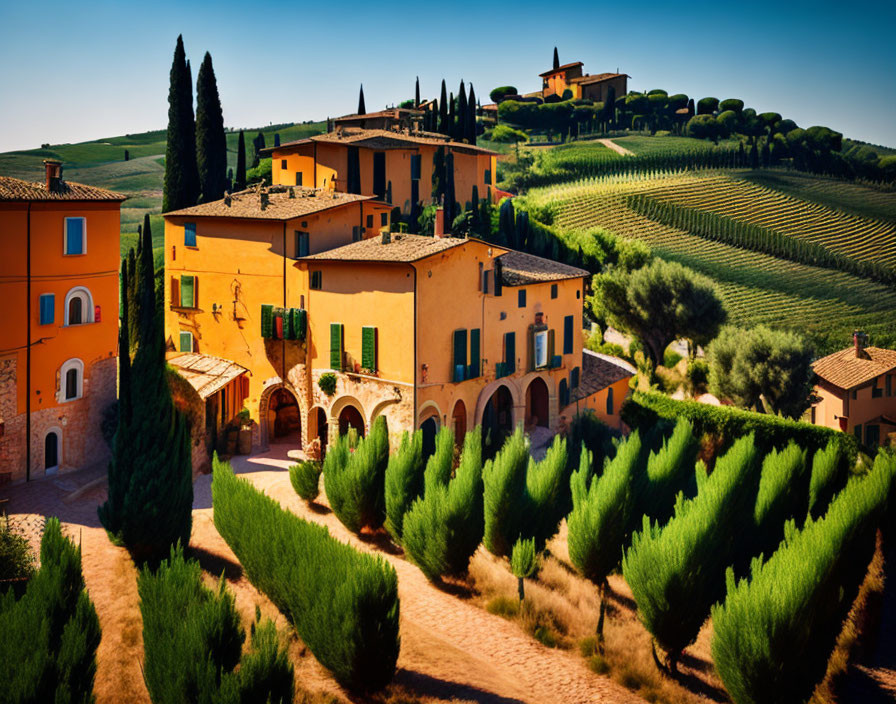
856 392
582 86
58 344
318 330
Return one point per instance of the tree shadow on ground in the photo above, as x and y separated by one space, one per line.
216 564
428 686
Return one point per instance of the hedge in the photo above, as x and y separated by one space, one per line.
404 482
305 479
192 642
724 423
49 637
343 603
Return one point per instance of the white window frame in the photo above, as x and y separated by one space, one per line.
83 237
73 363
541 360
86 297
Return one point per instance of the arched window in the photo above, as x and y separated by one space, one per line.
71 380
78 306
610 401
52 443
563 393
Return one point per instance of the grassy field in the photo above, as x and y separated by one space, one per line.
101 163
756 287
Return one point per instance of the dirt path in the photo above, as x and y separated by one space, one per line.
610 144
450 648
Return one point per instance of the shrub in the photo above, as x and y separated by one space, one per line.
16 560
192 641
305 478
327 383
523 498
707 106
498 94
354 479
507 134
602 514
403 481
698 375
523 563
775 631
444 527
50 635
670 470
782 496
343 604
671 358
588 431
828 477
724 424
677 572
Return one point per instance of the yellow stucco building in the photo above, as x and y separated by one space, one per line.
272 289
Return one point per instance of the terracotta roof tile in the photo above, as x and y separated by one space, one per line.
402 248
597 78
391 112
17 189
205 373
846 371
247 204
520 269
598 372
382 139
561 68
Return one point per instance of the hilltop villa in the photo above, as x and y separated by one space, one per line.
559 79
299 305
856 392
59 257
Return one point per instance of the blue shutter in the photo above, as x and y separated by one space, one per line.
189 234
567 334
474 354
47 308
521 298
510 352
74 236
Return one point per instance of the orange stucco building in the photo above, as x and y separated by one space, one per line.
582 86
59 260
424 330
856 392
394 165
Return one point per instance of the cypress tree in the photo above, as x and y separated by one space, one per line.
450 196
257 144
452 116
556 59
362 109
470 124
211 142
417 93
438 174
460 123
151 474
181 185
507 225
443 110
137 280
239 182
129 297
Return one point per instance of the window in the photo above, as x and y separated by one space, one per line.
521 298
48 306
188 291
459 370
336 346
872 435
317 280
574 378
298 178
75 236
858 432
876 391
283 163
302 244
474 354
610 401
384 219
71 380
368 348
855 394
889 385
568 325
509 352
487 177
541 349
189 234
186 341
78 306
356 233
369 221
415 167
553 290
563 392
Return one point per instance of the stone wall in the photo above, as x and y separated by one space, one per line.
12 426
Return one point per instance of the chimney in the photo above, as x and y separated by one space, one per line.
860 339
387 237
439 227
53 173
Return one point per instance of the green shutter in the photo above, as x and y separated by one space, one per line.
458 370
368 348
530 349
303 323
551 359
267 321
186 342
510 352
186 291
336 346
474 354
567 334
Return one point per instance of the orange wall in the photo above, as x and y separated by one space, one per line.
56 273
598 403
861 409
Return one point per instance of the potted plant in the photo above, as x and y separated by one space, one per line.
244 420
16 560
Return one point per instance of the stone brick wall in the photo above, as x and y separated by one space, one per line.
12 434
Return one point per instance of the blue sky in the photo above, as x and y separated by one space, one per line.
92 69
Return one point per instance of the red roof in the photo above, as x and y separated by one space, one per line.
560 69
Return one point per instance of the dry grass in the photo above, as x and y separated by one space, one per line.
567 606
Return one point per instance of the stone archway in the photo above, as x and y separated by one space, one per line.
280 415
538 404
459 422
350 418
318 427
346 412
497 420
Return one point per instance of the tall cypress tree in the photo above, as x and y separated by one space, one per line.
129 297
450 196
181 185
211 141
443 110
452 119
417 93
460 123
470 123
152 472
362 109
438 174
556 59
138 281
239 181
